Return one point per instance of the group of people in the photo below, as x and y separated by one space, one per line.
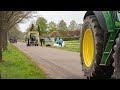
59 42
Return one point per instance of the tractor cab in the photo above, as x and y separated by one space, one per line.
33 38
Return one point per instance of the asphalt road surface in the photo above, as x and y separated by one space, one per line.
57 64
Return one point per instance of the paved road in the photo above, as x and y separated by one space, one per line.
57 64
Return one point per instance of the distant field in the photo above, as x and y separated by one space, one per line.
16 65
69 45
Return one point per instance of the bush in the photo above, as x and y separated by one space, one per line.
54 34
70 33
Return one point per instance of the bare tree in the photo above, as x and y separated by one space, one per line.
11 19
7 20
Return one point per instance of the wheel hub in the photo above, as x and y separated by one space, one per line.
88 47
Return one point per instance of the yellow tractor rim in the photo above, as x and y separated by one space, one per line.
88 47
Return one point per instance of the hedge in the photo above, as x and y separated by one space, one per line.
69 38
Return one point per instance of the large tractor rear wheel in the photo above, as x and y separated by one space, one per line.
116 57
91 49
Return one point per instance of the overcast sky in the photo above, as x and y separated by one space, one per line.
55 16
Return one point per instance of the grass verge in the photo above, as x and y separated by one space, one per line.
17 65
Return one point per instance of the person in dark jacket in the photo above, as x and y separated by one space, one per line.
28 44
41 40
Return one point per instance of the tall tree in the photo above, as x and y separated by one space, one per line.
31 27
62 26
52 26
10 19
73 25
41 25
7 20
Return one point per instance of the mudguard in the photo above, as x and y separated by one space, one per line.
100 18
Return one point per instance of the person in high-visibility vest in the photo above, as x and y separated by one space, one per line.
60 42
57 41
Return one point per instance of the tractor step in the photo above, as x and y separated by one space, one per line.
111 41
106 52
108 48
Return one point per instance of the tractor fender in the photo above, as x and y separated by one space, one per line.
99 16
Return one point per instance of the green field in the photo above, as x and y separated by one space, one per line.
16 65
69 45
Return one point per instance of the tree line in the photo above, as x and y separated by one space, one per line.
52 29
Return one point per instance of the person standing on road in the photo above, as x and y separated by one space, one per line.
41 40
28 42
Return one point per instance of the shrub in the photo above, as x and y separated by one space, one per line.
70 38
54 34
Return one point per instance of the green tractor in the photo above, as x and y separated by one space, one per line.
100 44
33 38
